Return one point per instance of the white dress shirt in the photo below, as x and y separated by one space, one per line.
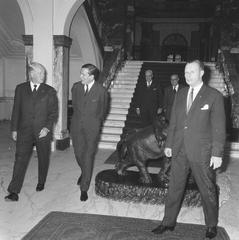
89 85
195 91
32 85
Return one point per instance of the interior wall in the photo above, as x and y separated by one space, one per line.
12 72
75 67
2 74
84 42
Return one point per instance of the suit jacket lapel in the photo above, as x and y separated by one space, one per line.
92 90
28 89
198 98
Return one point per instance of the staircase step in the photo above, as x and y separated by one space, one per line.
133 62
118 110
112 130
107 145
128 74
122 91
124 86
120 97
121 100
126 81
110 137
114 123
120 105
134 71
113 116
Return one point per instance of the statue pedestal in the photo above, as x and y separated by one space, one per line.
127 188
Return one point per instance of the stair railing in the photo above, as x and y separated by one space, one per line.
231 76
115 66
222 67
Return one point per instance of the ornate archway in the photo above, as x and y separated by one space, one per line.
174 44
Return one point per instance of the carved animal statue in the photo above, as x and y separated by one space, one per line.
135 148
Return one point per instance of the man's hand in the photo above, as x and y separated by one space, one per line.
168 152
14 135
43 132
215 162
138 111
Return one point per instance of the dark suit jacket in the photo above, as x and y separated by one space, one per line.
29 113
168 100
202 130
89 110
151 97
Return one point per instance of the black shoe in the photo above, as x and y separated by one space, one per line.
40 187
11 197
83 196
79 180
211 232
161 229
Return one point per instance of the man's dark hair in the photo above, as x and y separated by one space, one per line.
200 63
93 70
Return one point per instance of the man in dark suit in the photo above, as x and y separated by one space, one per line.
195 141
169 94
35 110
149 99
89 101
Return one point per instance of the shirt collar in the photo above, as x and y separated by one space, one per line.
195 89
90 85
175 87
32 85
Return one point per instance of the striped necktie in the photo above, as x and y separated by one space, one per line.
190 100
86 89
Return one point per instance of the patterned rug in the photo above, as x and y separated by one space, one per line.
75 226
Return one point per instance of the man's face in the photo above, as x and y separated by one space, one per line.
148 76
85 77
174 80
36 76
193 74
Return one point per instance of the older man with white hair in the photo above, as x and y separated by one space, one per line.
35 110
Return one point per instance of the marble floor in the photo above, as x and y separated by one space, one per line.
62 194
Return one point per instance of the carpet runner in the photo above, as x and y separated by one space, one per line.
75 226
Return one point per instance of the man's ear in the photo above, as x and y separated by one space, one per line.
92 77
201 73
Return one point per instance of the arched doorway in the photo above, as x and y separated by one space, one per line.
174 44
12 54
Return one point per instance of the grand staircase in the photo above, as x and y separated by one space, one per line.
121 94
122 115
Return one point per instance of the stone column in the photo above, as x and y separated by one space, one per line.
28 42
61 84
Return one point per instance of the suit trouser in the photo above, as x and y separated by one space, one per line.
84 144
24 146
206 181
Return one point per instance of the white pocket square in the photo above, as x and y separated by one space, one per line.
205 107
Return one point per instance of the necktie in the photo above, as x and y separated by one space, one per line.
190 100
34 91
86 89
174 90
